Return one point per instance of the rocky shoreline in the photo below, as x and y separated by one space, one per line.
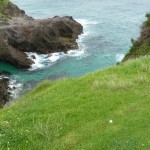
20 33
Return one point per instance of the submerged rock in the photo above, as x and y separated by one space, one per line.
5 73
22 34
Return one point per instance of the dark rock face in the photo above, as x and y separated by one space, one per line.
23 34
4 94
45 36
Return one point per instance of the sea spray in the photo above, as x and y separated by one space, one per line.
55 56
14 88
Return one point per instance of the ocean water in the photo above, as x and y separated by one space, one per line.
108 25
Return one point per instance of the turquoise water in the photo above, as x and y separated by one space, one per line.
109 26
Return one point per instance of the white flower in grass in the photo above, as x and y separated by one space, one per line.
110 121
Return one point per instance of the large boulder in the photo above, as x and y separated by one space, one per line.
22 34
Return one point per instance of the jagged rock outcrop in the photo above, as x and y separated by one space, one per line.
4 91
22 34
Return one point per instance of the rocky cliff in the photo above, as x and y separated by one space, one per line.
4 91
141 46
20 33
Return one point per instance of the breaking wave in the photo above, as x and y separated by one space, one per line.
43 60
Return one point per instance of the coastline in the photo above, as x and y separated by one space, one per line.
36 58
23 38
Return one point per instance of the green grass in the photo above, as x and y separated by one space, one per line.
3 14
74 114
3 2
138 50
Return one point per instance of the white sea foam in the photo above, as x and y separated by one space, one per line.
15 88
85 22
2 76
43 60
75 53
119 57
38 60
55 56
78 53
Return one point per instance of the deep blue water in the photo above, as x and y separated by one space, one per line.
109 26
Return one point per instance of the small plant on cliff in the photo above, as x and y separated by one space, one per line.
134 49
147 22
3 14
141 46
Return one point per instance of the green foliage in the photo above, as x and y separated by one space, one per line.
76 113
138 50
147 22
4 3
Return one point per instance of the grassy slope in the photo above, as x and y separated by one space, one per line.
75 113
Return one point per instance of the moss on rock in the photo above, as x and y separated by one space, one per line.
9 10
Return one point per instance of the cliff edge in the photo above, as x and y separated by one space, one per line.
141 46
